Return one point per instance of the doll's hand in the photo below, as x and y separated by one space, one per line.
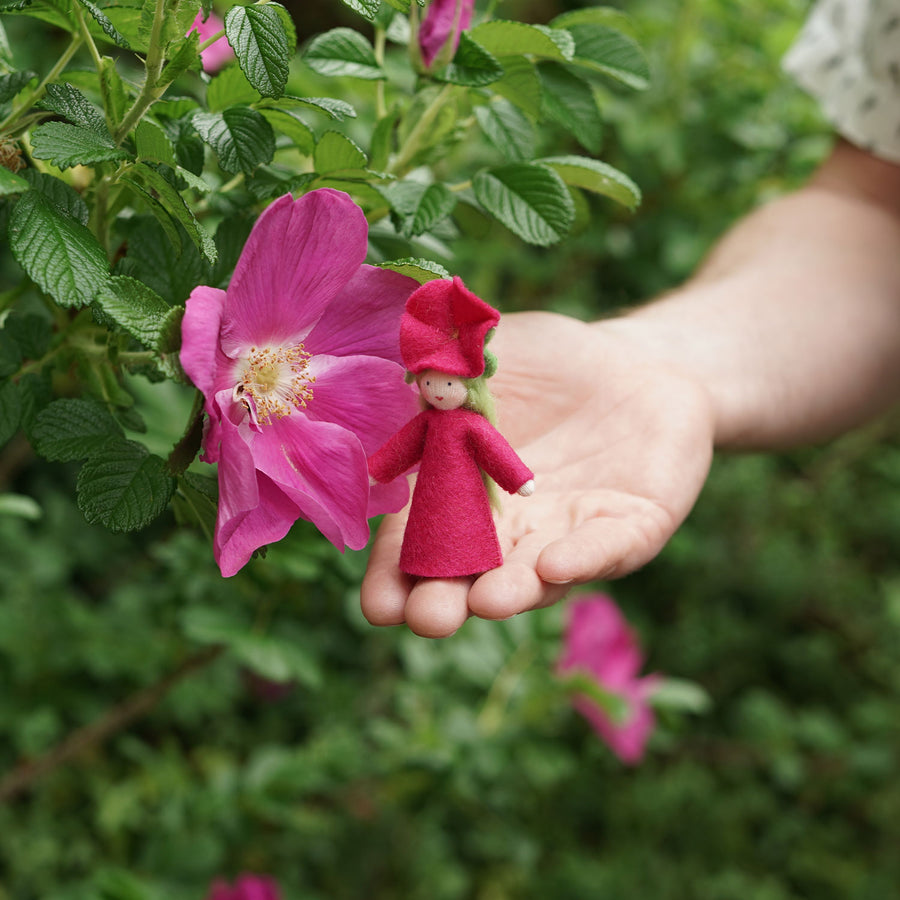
621 447
527 489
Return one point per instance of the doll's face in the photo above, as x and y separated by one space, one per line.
441 390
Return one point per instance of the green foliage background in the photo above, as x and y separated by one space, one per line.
396 767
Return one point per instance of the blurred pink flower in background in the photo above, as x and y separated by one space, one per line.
217 54
247 887
441 28
299 363
600 645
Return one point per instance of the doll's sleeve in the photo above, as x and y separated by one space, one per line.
494 455
400 452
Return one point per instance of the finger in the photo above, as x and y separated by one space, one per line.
437 607
604 547
515 586
385 589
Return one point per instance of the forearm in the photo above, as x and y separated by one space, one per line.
793 324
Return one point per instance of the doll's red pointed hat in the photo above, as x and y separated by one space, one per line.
444 327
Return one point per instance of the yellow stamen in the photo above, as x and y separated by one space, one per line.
274 381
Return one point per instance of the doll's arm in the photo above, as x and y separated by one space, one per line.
495 456
400 452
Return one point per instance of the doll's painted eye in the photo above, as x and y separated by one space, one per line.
449 384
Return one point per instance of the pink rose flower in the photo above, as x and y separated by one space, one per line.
299 364
600 645
441 28
217 54
247 887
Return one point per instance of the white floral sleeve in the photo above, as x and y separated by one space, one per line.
848 57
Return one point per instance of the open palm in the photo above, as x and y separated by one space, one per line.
620 448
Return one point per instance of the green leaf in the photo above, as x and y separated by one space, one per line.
59 254
597 15
471 66
161 195
612 53
508 129
136 308
520 85
68 102
529 199
19 505
335 109
10 410
293 127
595 176
72 429
230 88
71 145
63 196
569 100
336 152
505 38
680 695
368 9
124 488
112 87
31 333
184 54
343 52
10 183
615 706
240 137
13 82
258 37
422 270
152 143
417 207
105 24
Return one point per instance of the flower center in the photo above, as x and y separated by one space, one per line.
274 381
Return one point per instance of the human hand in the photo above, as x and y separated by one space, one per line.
621 446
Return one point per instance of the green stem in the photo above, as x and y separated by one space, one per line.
153 65
88 39
7 124
185 451
380 104
413 142
210 41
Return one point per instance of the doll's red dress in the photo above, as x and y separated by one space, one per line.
451 530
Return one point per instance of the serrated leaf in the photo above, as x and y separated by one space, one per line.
612 53
62 195
506 38
335 109
112 87
124 488
417 207
230 88
240 137
59 254
569 100
31 333
10 183
184 54
165 196
293 127
135 307
529 199
597 15
260 42
13 82
343 52
71 145
508 129
105 24
368 9
336 152
597 177
471 66
10 410
152 143
402 6
422 270
382 144
520 85
72 429
67 101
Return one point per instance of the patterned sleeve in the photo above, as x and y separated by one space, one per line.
847 56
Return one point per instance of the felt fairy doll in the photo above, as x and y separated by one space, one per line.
450 531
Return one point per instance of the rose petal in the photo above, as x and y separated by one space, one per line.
364 318
388 498
364 394
299 256
321 466
200 327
